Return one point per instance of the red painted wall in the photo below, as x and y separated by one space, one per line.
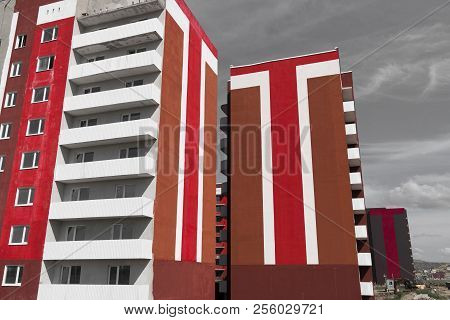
41 179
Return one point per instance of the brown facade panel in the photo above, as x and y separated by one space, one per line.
293 282
335 219
247 239
209 178
183 280
168 145
30 280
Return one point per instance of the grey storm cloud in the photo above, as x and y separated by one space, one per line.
402 91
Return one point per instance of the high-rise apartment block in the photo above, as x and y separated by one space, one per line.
107 152
390 245
296 203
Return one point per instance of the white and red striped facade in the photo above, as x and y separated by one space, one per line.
295 231
124 191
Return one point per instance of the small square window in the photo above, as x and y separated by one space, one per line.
10 100
2 163
71 275
80 194
24 197
19 235
49 34
12 276
119 275
16 69
76 233
35 127
45 63
21 41
41 94
30 160
5 131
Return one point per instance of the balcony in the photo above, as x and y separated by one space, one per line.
349 112
224 145
224 167
102 209
351 133
120 132
98 250
367 289
112 100
126 9
224 126
354 157
359 206
118 37
364 260
143 167
93 292
361 232
115 68
356 180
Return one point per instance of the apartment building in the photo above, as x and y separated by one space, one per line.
298 218
391 244
107 152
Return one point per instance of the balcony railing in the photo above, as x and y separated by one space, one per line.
359 206
356 180
364 259
349 112
351 133
361 232
98 250
114 68
118 37
93 292
102 209
120 132
112 100
354 157
106 170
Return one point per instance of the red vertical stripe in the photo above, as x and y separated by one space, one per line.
390 243
290 243
190 209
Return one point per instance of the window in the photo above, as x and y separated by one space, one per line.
88 123
117 232
41 94
35 127
92 90
80 194
134 83
21 41
5 131
131 116
71 275
128 153
2 163
140 50
125 191
119 275
24 197
84 157
30 160
49 34
16 69
12 276
96 59
10 100
45 63
76 233
19 235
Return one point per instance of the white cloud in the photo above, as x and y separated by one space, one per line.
445 251
439 75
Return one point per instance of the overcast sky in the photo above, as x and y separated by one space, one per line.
402 92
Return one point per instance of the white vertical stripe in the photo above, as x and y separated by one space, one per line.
262 80
6 63
207 57
181 19
304 73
